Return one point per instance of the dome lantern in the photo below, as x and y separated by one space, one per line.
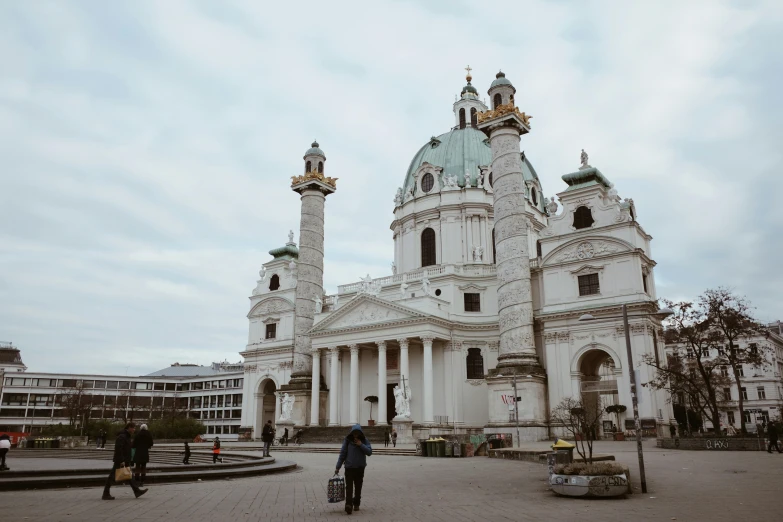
501 91
314 158
468 104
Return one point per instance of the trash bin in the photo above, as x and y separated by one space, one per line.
495 443
564 450
423 446
431 448
56 443
457 448
449 449
440 447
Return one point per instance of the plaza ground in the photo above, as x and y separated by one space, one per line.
683 485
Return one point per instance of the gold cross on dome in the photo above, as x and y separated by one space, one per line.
468 69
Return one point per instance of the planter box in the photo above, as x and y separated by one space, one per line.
371 423
589 485
619 435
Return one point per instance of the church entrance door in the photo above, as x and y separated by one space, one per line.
390 411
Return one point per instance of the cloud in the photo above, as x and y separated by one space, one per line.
147 148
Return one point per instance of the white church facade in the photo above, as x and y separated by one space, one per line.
488 282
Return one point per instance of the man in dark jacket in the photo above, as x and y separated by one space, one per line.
122 457
267 435
772 435
356 448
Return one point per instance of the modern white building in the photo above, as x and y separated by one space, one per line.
761 388
448 318
213 394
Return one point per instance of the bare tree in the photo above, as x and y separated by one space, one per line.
732 317
581 420
76 402
695 373
132 404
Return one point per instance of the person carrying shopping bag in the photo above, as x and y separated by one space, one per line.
354 452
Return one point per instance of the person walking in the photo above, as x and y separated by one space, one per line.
394 438
386 438
285 437
142 444
5 447
354 452
267 435
672 430
103 439
216 450
122 457
187 454
772 435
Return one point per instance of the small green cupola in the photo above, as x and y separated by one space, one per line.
501 91
314 159
468 105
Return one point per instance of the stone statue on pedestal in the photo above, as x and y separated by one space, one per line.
287 407
402 402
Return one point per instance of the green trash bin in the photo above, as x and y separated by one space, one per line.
449 449
431 448
55 443
440 447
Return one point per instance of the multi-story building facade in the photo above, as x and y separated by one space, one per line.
212 394
761 388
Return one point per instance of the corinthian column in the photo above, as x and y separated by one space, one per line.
382 417
354 393
428 384
334 389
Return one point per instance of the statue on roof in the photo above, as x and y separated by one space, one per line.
583 158
290 236
398 197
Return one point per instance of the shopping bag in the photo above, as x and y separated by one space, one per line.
122 473
336 489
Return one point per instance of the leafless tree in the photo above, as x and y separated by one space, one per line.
581 420
75 402
732 317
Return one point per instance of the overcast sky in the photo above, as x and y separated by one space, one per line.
146 148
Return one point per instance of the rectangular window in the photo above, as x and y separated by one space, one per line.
730 417
744 392
198 385
741 371
158 386
762 393
220 401
747 417
724 371
170 386
754 348
125 385
271 331
100 385
644 283
472 302
726 394
588 284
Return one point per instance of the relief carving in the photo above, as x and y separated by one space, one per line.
587 250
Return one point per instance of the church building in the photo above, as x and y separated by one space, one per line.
482 306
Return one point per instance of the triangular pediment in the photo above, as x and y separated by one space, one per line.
365 310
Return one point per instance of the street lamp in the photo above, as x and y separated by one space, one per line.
661 314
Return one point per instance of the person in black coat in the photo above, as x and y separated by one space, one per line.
122 457
772 435
267 435
187 454
142 444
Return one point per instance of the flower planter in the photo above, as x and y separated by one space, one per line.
619 435
371 423
589 485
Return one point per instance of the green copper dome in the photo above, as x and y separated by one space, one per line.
457 151
500 79
315 151
469 88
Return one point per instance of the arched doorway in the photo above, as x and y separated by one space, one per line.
265 405
598 385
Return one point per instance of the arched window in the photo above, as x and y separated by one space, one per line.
534 196
490 179
475 364
428 257
473 118
583 218
497 100
538 248
320 167
308 166
274 283
494 256
462 118
427 182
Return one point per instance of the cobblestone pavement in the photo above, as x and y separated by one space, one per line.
683 485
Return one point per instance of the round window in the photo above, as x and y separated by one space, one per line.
427 182
437 292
